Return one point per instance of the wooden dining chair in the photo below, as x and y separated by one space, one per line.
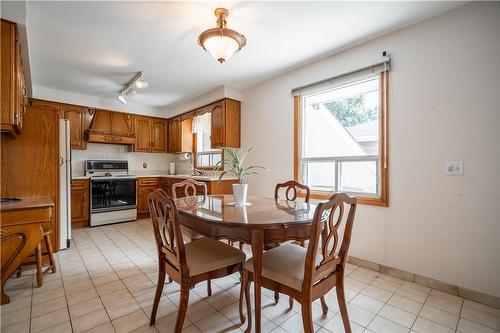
190 263
309 274
190 190
291 190
38 258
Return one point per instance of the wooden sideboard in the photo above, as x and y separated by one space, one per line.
21 228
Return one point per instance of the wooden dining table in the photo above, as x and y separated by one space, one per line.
21 231
262 221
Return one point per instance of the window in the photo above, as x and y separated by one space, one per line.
340 141
205 156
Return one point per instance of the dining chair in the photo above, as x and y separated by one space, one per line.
190 263
38 255
307 274
190 190
291 190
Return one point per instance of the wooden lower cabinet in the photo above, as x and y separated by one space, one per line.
79 203
142 200
146 185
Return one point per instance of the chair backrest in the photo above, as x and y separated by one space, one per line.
167 230
189 188
291 189
332 226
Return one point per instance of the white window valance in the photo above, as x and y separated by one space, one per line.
202 123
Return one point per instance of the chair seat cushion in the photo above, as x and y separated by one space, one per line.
284 264
205 255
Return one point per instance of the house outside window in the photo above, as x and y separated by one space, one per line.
340 143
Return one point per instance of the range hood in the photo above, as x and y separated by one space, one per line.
111 127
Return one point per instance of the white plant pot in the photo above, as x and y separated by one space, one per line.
240 194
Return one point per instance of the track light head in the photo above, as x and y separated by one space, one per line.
122 99
141 83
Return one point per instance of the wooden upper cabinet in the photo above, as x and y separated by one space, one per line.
14 95
150 134
217 125
226 124
180 135
111 127
79 118
142 127
159 136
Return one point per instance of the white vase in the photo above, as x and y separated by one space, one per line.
240 194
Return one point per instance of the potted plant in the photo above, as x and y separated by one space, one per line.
234 163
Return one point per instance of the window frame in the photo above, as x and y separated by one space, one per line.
383 200
195 157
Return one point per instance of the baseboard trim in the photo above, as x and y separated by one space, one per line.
469 294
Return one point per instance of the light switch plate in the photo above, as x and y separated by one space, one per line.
454 168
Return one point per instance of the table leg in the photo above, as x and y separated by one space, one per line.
257 249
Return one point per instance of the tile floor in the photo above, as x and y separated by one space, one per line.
106 283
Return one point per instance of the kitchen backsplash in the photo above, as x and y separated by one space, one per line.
156 162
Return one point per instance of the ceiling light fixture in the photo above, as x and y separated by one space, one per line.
122 99
221 42
137 82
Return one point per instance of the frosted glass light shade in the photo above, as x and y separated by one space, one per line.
221 47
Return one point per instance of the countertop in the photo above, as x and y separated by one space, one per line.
210 178
80 177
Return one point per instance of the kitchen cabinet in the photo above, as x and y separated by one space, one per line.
151 134
79 203
180 135
226 124
142 126
111 127
144 187
79 118
159 135
14 97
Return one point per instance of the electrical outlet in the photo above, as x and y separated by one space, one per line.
454 168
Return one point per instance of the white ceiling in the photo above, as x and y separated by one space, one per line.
92 48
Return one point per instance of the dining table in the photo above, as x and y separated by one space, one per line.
21 221
261 221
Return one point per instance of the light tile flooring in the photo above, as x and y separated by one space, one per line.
106 283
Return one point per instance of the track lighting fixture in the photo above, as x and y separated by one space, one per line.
137 82
122 99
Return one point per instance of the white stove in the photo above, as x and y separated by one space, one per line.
112 192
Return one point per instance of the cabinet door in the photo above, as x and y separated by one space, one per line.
174 135
79 203
76 204
19 106
142 134
8 83
142 200
158 136
78 123
217 127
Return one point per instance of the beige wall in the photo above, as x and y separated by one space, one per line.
444 105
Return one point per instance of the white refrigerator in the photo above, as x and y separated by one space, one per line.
64 184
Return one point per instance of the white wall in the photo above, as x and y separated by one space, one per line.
204 99
444 105
91 101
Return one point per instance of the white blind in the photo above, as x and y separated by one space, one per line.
342 79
